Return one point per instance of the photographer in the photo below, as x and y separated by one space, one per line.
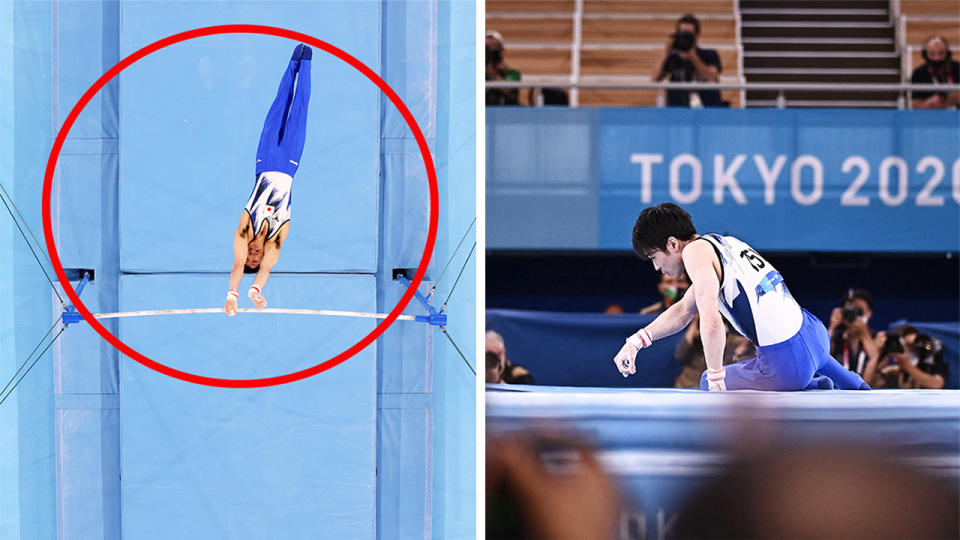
499 368
851 340
938 68
497 70
917 359
685 62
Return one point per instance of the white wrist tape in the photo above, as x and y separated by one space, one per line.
641 339
714 375
232 293
253 289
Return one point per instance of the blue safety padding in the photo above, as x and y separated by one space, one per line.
87 48
659 444
88 468
27 441
290 461
405 368
410 49
404 425
455 387
191 117
82 367
577 349
79 244
406 205
691 419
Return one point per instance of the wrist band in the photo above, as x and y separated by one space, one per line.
232 293
715 375
254 288
641 339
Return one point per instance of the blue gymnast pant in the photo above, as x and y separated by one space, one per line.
802 362
284 131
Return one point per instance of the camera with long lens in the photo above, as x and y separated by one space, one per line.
494 56
493 360
893 345
851 313
927 349
683 41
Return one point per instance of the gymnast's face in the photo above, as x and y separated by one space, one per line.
254 255
670 262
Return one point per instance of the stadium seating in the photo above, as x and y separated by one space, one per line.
618 42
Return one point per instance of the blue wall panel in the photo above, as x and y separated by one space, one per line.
191 116
789 180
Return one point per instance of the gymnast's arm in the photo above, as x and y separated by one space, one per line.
703 268
271 254
240 241
239 258
671 321
675 318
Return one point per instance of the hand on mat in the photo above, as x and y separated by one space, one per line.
258 300
717 380
230 307
626 360
717 386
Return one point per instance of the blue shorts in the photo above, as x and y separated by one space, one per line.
285 129
802 362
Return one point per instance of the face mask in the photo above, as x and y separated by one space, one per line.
936 64
671 292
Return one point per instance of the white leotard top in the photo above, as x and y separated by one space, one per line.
270 202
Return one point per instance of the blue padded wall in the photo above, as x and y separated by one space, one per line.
405 441
86 384
27 444
455 387
191 120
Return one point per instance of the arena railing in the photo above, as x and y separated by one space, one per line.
904 90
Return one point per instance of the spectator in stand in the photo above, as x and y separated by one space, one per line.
497 70
614 309
917 360
852 341
508 372
689 353
671 289
684 61
938 68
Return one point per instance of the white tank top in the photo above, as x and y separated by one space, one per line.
270 202
753 296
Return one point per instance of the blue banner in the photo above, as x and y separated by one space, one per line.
783 180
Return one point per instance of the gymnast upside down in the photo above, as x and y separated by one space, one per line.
265 221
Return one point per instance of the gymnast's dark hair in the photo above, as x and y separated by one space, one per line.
657 224
251 269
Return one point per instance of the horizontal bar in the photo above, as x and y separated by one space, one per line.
330 312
